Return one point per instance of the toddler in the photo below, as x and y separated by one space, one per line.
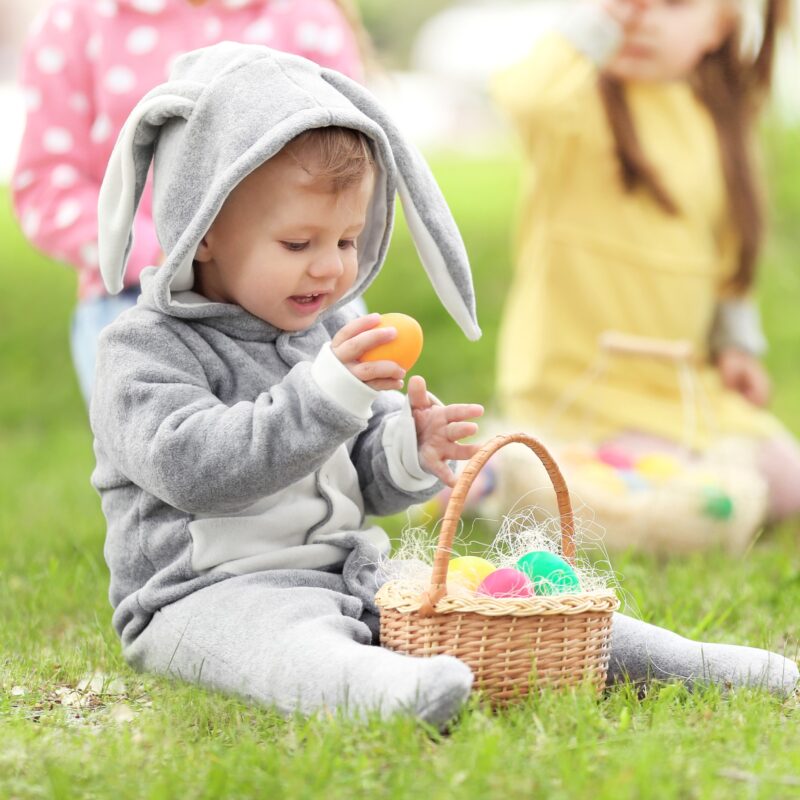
240 440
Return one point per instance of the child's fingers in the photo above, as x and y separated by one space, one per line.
460 452
354 327
443 472
353 348
463 411
418 392
460 430
370 371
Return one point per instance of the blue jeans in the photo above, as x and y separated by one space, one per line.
90 317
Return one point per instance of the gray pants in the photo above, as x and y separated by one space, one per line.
299 642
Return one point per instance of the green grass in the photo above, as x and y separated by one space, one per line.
148 738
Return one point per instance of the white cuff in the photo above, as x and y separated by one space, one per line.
339 383
738 324
593 31
400 443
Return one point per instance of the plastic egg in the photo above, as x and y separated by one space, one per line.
633 480
403 350
468 572
615 456
549 573
717 504
506 582
603 476
658 467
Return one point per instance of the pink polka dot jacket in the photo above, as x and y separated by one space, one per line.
85 66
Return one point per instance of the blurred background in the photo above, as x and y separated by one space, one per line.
434 57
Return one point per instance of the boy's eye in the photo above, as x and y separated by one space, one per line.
344 244
295 247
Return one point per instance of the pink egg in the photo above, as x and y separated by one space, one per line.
506 582
615 456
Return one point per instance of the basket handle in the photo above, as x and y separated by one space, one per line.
452 514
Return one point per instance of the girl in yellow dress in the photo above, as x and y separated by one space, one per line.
640 231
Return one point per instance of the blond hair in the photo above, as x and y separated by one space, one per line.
339 156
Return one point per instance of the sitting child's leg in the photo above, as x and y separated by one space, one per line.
640 652
301 648
779 463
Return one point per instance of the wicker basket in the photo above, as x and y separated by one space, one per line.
512 645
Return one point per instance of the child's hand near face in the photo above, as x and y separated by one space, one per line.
439 429
744 374
623 11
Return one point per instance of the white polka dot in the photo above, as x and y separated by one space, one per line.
106 8
213 28
89 254
67 213
31 220
101 129
57 141
120 80
236 3
259 32
330 41
24 179
64 176
62 19
306 35
281 6
33 98
141 40
79 102
148 6
50 60
94 46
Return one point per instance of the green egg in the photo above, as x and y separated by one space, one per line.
549 573
717 504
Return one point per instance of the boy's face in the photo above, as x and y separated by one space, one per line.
283 246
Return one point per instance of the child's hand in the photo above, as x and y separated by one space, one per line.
623 11
354 339
744 374
438 430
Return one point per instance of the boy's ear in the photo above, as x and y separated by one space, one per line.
126 174
433 229
203 252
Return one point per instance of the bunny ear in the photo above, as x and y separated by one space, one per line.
430 221
125 177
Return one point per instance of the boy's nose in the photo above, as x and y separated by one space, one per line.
328 264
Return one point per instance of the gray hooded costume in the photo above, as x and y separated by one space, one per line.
237 462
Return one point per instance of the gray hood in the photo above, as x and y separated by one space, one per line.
225 111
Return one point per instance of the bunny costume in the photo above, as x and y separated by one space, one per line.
236 462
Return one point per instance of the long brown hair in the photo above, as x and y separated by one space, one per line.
733 90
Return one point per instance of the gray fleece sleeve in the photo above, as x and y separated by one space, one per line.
737 323
160 423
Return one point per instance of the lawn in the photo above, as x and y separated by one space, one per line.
65 733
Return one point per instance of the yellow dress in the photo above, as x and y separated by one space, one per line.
592 257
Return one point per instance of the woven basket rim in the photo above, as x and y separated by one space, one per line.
407 598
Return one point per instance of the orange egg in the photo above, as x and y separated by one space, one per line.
405 349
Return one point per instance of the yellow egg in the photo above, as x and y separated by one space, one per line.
657 467
468 572
602 476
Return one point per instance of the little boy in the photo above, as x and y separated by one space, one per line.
240 440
